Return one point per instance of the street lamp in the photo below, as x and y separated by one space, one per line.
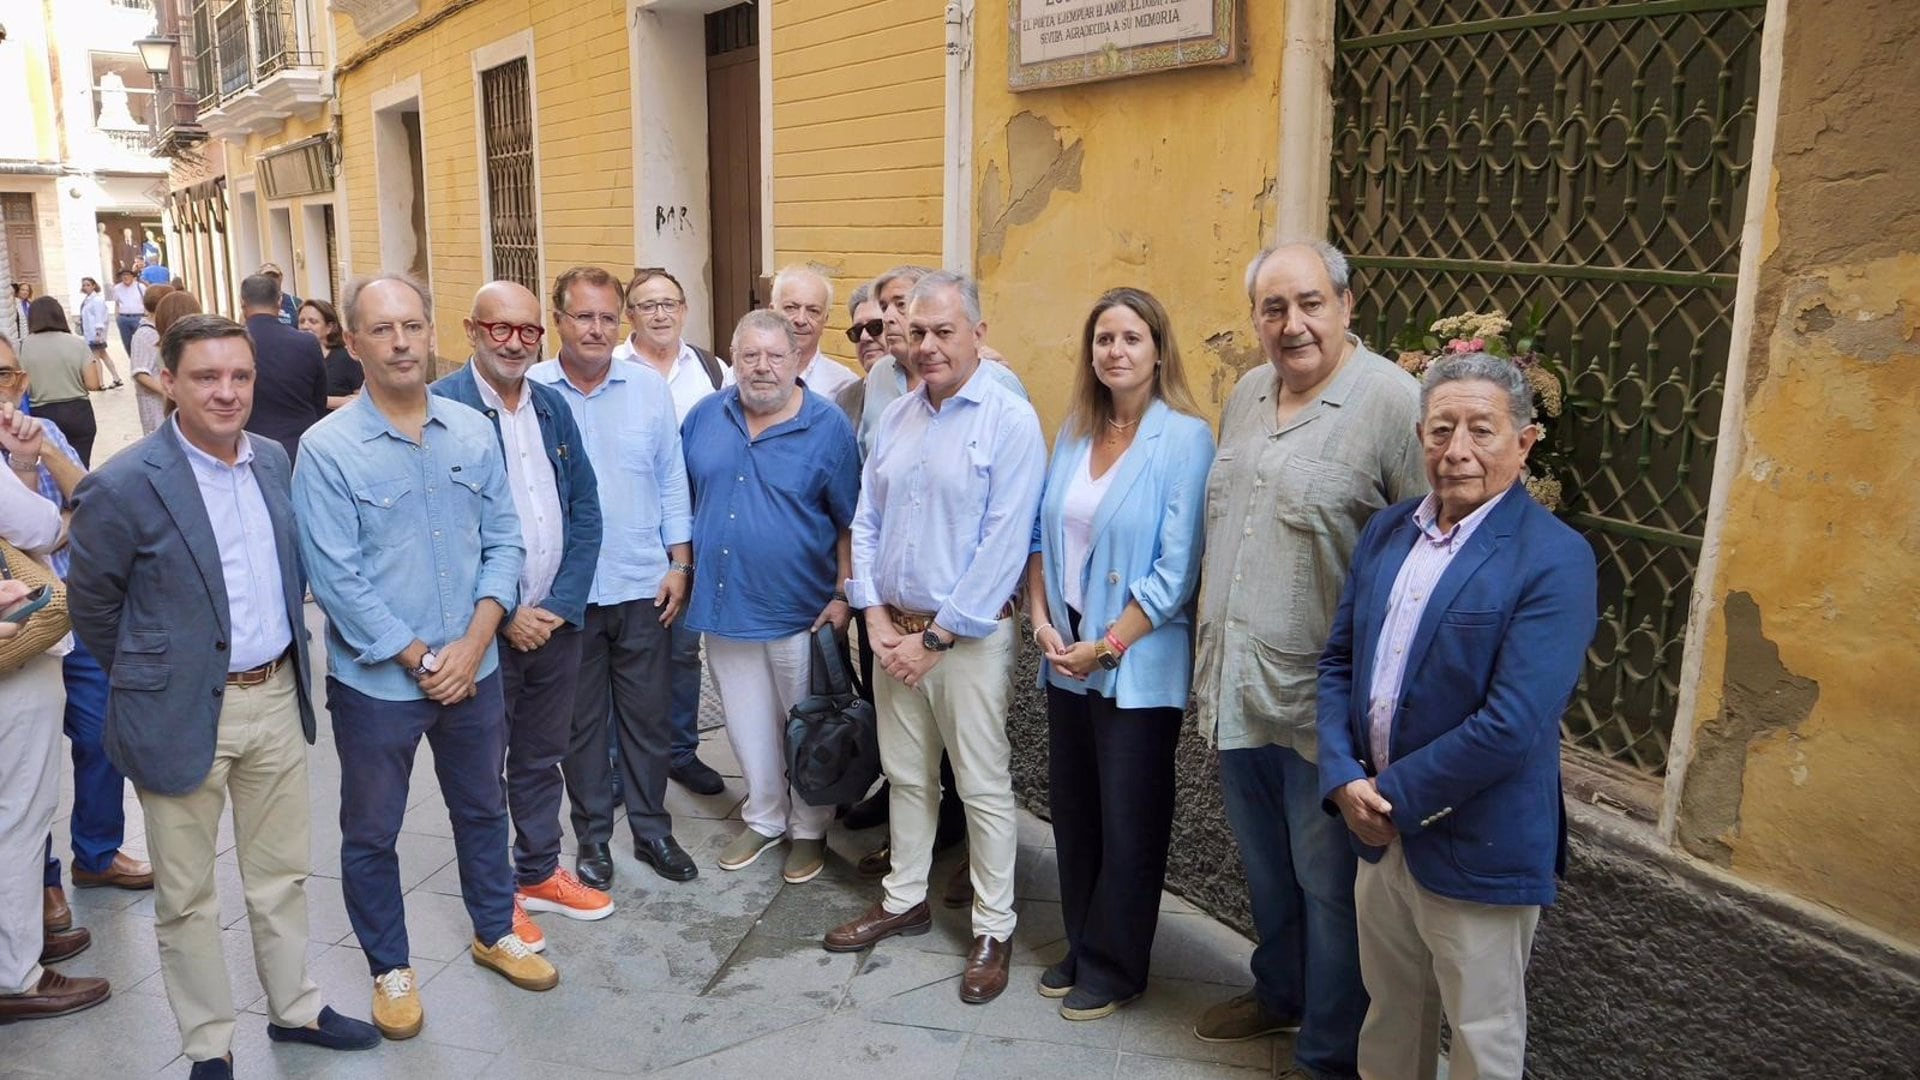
156 53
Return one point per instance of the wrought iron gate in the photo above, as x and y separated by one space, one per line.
1592 157
507 115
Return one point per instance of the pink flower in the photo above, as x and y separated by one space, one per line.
1463 346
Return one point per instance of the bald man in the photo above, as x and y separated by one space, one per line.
556 498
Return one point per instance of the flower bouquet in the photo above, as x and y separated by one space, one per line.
1495 334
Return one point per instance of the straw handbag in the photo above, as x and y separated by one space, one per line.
44 628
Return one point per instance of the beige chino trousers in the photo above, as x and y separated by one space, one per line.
1421 952
260 759
960 705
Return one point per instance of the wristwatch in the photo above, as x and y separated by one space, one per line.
683 567
429 663
1104 653
931 642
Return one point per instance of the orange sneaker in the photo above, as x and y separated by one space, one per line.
563 894
526 929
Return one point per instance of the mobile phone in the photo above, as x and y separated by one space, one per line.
35 600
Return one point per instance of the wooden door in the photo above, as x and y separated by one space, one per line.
23 241
733 162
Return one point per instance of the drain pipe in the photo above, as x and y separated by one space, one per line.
956 202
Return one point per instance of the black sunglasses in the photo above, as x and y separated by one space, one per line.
871 328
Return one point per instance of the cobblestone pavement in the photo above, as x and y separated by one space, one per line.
719 977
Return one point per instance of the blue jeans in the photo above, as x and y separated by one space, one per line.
683 690
1300 872
99 822
377 740
127 324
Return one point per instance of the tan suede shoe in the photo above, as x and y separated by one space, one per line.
396 1004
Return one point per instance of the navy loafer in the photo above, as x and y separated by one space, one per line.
335 1032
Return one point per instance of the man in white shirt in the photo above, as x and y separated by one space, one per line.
657 311
129 304
802 295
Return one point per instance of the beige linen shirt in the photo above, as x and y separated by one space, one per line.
1285 506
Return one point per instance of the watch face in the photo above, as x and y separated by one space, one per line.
932 643
1109 661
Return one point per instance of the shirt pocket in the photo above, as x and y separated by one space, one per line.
466 484
384 508
1220 483
639 480
1313 494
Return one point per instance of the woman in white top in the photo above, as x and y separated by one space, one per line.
1110 589
93 326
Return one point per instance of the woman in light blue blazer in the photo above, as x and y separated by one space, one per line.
1110 588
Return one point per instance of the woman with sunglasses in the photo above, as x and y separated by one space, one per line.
1110 589
344 376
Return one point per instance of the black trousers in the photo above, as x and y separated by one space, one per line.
1111 776
624 665
539 689
75 420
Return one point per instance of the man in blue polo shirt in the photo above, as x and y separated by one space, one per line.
775 473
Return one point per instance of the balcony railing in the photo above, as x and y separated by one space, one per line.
135 5
129 141
246 42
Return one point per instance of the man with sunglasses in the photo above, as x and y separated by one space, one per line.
627 424
866 331
657 311
556 498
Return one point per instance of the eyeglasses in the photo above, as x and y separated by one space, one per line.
500 332
648 307
871 328
388 331
587 320
746 358
8 375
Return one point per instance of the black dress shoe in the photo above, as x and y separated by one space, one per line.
666 858
698 777
594 865
220 1068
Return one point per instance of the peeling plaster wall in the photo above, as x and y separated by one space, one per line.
1805 773
1160 181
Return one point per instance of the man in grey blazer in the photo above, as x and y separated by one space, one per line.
186 584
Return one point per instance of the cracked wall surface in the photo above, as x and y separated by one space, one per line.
1164 182
1805 768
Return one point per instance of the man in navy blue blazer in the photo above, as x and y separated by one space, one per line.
1457 642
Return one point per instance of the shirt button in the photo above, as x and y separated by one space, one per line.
1248 532
1113 577
1236 577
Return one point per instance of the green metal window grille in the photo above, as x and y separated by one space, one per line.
1592 158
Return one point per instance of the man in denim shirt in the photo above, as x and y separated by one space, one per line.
626 418
413 550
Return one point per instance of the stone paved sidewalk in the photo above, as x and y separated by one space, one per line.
719 977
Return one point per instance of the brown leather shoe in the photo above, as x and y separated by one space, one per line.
876 863
58 945
122 873
54 912
54 995
959 891
877 924
986 970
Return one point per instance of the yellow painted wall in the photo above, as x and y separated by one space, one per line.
242 159
858 143
1159 181
1805 771
585 138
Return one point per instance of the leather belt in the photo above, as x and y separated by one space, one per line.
916 622
258 675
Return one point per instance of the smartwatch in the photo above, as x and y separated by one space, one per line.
1104 653
931 642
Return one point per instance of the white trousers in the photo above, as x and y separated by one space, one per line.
961 705
1420 952
33 700
759 682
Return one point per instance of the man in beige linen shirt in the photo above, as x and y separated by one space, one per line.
1312 443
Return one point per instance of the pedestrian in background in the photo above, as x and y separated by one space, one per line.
344 375
61 367
93 326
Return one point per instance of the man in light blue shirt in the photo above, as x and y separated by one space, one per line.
939 542
413 550
626 418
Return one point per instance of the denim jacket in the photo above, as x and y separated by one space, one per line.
573 474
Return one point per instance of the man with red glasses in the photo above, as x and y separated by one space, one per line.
558 502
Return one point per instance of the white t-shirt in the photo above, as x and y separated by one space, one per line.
1077 511
689 381
129 299
826 376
